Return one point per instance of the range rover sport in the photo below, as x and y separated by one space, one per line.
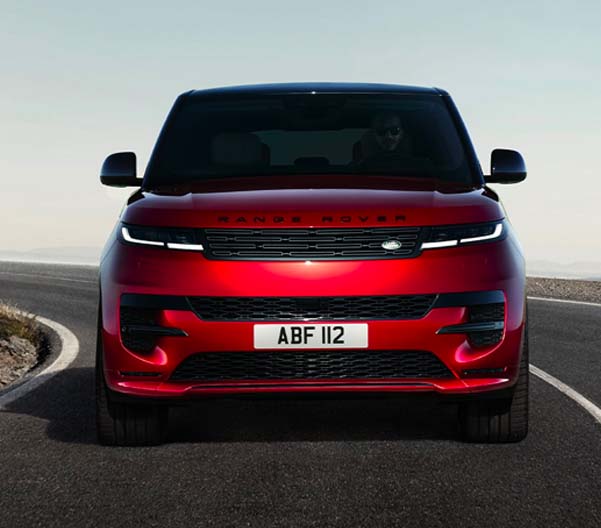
312 238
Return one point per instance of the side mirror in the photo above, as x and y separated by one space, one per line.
119 170
506 166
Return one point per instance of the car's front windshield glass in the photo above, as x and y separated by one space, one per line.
406 135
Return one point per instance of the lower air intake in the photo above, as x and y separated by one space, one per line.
314 365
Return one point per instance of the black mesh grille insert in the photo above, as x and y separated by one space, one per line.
482 339
313 365
483 313
311 308
137 316
310 243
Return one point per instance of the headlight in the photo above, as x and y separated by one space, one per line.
448 236
172 238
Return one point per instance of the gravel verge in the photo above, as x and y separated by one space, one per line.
20 345
574 290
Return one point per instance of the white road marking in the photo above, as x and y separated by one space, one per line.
585 403
38 276
551 299
68 352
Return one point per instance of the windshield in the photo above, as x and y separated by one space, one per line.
407 135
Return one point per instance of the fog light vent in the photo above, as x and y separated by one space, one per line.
136 341
485 313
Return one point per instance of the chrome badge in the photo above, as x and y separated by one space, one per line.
391 245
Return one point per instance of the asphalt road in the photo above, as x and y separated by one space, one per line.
278 463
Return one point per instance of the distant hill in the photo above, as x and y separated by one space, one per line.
63 255
575 270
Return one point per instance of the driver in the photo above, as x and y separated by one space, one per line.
388 131
384 139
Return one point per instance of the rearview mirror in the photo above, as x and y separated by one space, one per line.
506 166
119 170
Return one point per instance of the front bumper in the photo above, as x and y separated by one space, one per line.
496 267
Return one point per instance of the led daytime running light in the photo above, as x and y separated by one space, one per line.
171 245
443 243
497 233
189 247
454 242
128 238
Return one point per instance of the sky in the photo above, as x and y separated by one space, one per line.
80 80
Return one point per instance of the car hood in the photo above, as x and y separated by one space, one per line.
312 202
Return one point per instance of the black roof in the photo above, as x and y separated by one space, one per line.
318 87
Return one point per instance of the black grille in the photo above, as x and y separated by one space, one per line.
311 308
309 244
482 339
483 313
137 316
314 365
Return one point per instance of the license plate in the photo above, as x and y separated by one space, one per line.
310 336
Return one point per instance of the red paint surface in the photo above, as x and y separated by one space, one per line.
490 266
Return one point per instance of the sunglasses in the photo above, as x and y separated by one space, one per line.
393 131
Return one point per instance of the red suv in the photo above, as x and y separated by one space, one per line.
312 238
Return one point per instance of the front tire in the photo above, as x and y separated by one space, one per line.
124 424
499 421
